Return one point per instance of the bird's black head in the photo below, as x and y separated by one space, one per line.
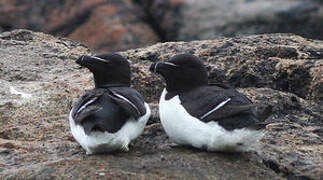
108 69
181 72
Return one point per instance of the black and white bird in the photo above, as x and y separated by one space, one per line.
110 116
214 117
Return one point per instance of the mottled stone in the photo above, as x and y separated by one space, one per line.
56 16
39 82
280 61
102 25
208 19
118 25
115 26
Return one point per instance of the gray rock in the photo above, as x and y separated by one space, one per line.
230 18
207 19
280 61
39 82
119 25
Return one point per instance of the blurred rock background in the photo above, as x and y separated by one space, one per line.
114 25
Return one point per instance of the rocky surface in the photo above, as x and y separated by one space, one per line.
207 19
39 82
115 26
284 62
118 25
100 24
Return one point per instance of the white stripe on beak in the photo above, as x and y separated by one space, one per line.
155 67
82 58
171 64
100 59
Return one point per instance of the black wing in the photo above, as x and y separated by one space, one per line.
88 98
97 111
108 109
220 103
130 100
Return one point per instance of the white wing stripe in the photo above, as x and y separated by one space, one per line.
118 95
86 104
216 108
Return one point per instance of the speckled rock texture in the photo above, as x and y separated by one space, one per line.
39 82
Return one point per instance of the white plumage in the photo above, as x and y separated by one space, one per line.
104 142
185 129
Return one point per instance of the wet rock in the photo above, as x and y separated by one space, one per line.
35 141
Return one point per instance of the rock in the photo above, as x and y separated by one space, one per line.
284 62
56 17
102 25
119 25
40 82
208 19
164 16
114 27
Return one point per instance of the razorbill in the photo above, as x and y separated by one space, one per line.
214 117
108 117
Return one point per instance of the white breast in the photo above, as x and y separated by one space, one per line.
185 129
98 142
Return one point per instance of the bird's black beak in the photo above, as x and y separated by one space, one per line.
157 66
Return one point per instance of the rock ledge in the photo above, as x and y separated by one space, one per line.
40 82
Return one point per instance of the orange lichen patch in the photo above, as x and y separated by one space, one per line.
71 9
98 27
114 26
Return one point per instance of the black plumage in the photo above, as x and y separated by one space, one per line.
106 111
186 77
112 102
202 100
